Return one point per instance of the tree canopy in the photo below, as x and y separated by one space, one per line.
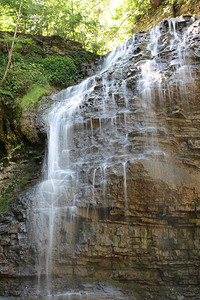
93 22
99 25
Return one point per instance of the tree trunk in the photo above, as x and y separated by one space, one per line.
12 45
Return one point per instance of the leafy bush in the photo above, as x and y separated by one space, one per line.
19 77
17 81
82 55
60 71
26 70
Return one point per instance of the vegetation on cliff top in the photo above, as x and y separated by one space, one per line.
27 70
97 25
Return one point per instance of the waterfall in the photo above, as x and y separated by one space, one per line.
96 129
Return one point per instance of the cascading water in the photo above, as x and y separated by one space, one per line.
55 195
95 129
69 167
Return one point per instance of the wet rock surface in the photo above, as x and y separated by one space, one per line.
135 151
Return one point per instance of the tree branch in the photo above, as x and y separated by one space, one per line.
131 14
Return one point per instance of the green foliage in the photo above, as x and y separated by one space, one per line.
129 12
19 146
19 77
175 3
171 2
60 71
35 71
82 55
19 41
77 20
57 70
98 24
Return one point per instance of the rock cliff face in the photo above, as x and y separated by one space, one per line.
163 9
128 204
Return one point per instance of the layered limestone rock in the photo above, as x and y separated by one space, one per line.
134 149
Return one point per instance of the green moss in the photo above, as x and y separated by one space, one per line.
6 198
18 184
116 283
195 221
9 194
117 240
34 94
90 266
118 266
96 265
182 272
